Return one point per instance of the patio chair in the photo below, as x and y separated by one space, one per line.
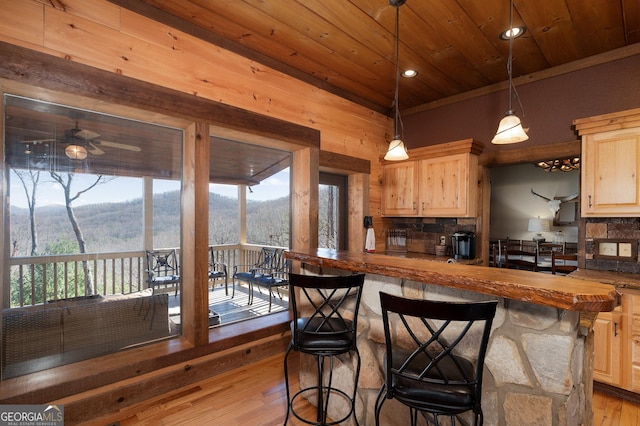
162 269
218 271
267 261
273 279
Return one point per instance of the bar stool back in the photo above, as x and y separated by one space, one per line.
325 315
435 355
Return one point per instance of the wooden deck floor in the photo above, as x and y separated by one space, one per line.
234 309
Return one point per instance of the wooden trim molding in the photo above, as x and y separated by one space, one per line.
616 392
38 69
519 155
142 362
341 162
602 58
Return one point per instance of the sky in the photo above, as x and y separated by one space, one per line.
127 189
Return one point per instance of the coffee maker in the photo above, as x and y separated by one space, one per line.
464 245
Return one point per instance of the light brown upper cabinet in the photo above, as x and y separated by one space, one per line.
610 164
438 181
400 189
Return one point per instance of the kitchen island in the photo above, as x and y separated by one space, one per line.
539 362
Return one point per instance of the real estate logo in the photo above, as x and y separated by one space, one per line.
31 415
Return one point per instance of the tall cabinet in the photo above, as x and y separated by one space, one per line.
438 181
610 164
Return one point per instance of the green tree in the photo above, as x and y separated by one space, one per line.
46 282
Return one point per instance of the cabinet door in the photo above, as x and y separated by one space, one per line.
634 341
607 348
400 189
445 186
610 173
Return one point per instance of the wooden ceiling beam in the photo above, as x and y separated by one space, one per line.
520 155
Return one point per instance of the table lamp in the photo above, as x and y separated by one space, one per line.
538 226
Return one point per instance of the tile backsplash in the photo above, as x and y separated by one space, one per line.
611 244
424 234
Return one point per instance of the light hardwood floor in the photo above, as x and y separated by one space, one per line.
255 395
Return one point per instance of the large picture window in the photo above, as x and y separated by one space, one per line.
249 215
89 194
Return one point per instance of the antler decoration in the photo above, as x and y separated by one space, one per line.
554 204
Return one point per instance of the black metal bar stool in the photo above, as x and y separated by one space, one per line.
325 316
435 356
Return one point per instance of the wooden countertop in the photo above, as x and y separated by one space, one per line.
544 289
618 279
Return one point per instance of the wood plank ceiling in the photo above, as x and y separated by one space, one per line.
348 46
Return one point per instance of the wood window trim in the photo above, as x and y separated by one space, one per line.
71 379
32 68
39 74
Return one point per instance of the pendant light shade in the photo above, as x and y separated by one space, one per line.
397 151
510 128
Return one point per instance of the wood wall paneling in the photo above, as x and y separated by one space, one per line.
87 52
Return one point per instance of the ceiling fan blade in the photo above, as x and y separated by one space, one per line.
94 150
120 146
86 135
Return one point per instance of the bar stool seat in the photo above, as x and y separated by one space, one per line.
422 392
435 356
325 311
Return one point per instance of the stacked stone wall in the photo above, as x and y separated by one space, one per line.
534 372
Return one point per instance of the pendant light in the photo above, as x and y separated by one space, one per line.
510 128
397 150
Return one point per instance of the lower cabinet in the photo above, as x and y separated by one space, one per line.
617 344
634 343
607 348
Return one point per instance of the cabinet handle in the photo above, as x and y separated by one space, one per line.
590 205
615 329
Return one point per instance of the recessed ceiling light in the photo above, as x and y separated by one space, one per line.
409 73
514 32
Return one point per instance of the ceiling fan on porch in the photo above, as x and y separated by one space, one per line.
78 144
81 142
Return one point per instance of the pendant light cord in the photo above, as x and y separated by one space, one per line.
395 100
510 66
510 59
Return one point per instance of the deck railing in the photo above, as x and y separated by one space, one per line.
39 279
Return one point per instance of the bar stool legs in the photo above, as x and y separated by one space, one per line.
323 391
326 328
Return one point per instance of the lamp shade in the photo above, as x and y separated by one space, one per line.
509 131
396 151
539 225
76 152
